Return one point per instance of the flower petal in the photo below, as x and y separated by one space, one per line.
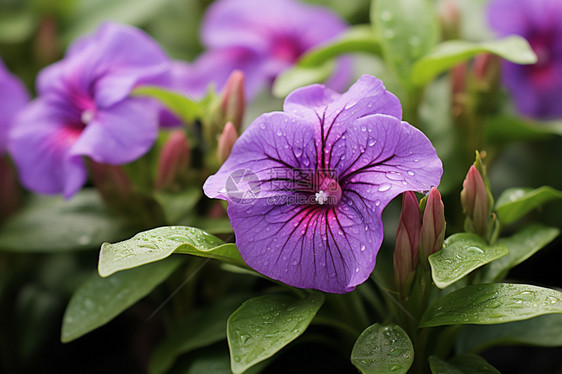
265 159
13 97
332 249
385 157
40 145
121 133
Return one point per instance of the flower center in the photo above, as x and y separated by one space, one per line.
87 116
329 192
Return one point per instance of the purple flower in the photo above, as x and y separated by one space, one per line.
13 97
537 89
84 110
306 186
260 38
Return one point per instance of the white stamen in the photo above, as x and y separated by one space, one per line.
321 197
87 116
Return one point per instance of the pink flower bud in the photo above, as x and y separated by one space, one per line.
475 203
233 101
174 160
226 141
486 70
449 17
407 240
458 88
112 182
10 193
433 226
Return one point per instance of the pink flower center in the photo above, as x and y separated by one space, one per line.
329 192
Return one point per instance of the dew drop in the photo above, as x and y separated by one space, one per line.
474 250
384 187
262 126
279 133
411 172
363 248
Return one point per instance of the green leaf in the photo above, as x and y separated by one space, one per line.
88 15
543 331
521 246
299 76
157 244
461 364
448 54
186 109
99 300
506 129
515 203
52 224
407 29
199 329
356 39
265 324
16 26
177 206
383 349
461 254
486 304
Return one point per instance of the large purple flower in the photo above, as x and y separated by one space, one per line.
13 97
537 89
306 186
84 109
260 38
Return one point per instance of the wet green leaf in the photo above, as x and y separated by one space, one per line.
99 300
157 244
515 203
447 54
356 39
486 304
199 329
52 224
407 30
521 246
461 364
265 324
383 349
461 254
299 76
543 331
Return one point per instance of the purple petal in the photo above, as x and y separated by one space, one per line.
310 246
264 159
40 145
119 134
13 97
215 66
385 157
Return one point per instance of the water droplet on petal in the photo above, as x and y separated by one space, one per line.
384 187
411 172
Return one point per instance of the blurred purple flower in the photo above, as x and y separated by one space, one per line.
306 186
260 38
84 109
537 89
13 97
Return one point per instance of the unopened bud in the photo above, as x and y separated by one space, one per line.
226 141
433 226
233 101
10 193
459 89
475 203
174 160
486 71
112 182
449 17
407 241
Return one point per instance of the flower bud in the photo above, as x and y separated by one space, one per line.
10 193
407 240
486 71
433 226
226 141
233 101
459 89
475 203
449 17
174 160
112 182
